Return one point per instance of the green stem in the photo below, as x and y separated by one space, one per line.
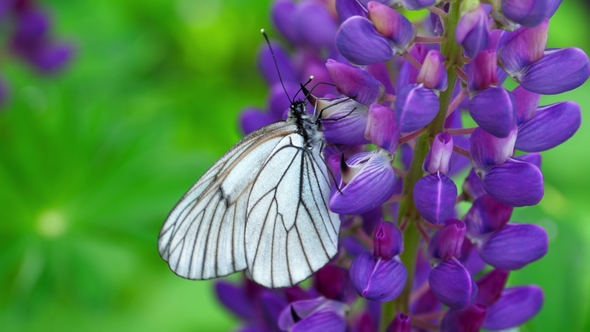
408 212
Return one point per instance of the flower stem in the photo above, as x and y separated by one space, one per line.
408 212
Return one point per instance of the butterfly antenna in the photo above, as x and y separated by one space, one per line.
276 64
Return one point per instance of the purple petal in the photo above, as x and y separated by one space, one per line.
349 8
553 5
382 129
372 219
401 323
470 258
316 26
415 107
361 194
438 158
434 196
514 246
360 43
266 65
378 279
487 150
446 243
343 122
355 82
469 320
558 71
353 246
516 306
272 305
514 183
473 186
333 282
235 299
482 72
523 47
493 110
533 158
452 284
486 215
408 73
387 241
392 24
322 320
491 286
473 31
551 126
526 104
298 311
527 13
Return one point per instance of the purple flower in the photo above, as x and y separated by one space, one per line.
378 279
473 31
434 196
356 193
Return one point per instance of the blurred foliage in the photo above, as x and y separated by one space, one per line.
92 160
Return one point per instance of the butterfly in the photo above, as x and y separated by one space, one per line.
261 208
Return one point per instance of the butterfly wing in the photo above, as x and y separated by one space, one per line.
203 237
290 231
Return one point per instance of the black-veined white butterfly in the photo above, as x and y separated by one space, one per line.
262 208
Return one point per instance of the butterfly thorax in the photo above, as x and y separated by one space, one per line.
306 124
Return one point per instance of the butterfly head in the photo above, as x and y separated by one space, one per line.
298 109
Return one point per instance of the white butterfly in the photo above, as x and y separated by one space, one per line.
261 208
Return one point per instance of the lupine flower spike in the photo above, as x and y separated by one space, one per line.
401 160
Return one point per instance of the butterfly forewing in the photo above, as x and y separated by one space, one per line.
203 237
290 232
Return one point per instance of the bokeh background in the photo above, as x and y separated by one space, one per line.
93 158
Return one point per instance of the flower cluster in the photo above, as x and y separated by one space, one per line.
395 92
30 38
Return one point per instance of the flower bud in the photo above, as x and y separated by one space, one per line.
446 243
482 71
438 158
382 128
433 74
401 323
387 241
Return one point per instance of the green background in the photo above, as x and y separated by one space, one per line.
93 159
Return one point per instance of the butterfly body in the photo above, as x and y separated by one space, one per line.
261 208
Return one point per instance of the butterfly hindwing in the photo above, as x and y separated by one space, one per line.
203 237
290 231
